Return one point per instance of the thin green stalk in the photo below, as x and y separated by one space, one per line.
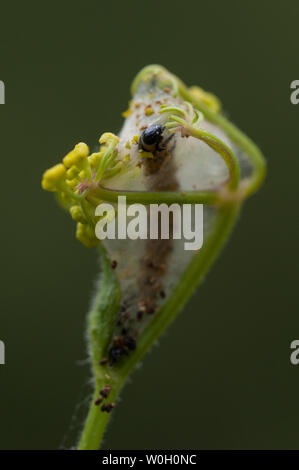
222 149
168 197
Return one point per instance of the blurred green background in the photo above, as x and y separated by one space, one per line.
221 377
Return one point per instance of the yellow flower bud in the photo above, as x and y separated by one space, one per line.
107 137
72 172
77 214
94 159
74 157
82 174
85 234
208 99
53 176
72 183
127 113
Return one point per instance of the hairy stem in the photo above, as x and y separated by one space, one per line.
101 322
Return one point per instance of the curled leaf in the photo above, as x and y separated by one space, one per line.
175 148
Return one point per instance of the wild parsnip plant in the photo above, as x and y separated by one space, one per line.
175 147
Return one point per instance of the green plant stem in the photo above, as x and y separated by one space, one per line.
168 197
97 420
95 425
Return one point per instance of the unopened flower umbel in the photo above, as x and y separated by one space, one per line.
175 147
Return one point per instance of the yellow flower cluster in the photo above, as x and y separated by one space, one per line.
74 182
206 98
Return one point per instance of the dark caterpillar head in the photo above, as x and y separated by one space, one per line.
150 138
